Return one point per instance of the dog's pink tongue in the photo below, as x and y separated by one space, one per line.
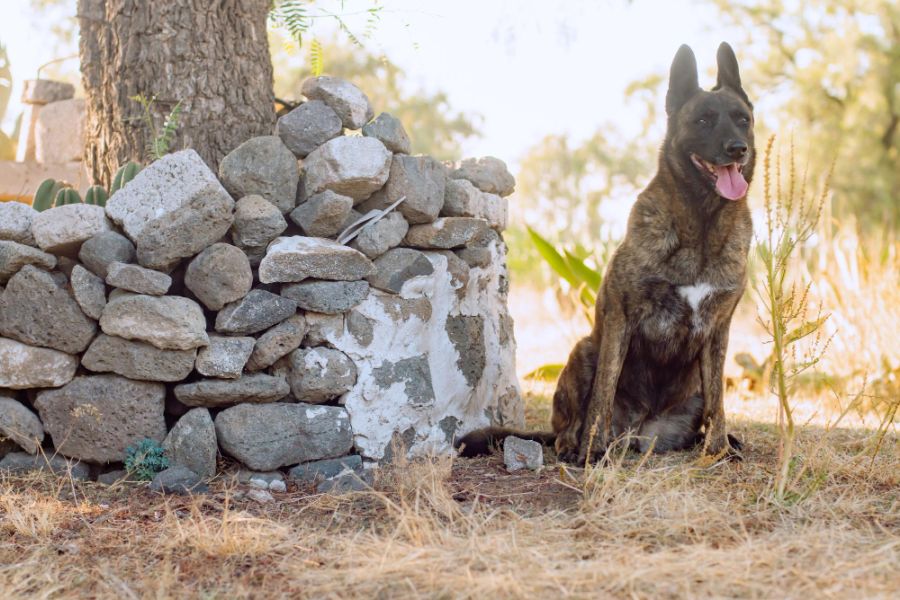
730 183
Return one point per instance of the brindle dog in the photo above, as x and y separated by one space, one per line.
652 366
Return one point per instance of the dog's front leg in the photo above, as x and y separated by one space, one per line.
712 364
598 418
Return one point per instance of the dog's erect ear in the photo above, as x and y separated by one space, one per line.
729 75
682 80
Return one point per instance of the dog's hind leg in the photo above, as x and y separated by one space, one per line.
678 428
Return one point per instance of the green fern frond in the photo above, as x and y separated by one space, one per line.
293 16
316 59
163 141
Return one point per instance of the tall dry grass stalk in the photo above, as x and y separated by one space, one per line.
792 218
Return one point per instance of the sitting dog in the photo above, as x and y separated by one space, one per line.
652 366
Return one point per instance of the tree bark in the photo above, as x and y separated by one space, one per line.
211 55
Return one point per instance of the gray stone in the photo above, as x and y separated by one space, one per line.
330 297
421 180
488 174
396 267
458 270
192 443
467 335
349 102
325 469
257 388
138 279
361 327
255 254
20 425
89 291
256 222
137 360
225 357
15 222
521 454
277 342
261 496
178 480
445 233
186 230
62 229
381 236
263 166
320 374
323 214
307 127
475 257
246 476
167 322
17 366
22 462
278 486
269 436
45 91
59 132
104 248
255 312
296 258
14 256
389 130
219 275
113 477
36 309
322 328
463 199
415 375
354 481
352 166
174 181
96 417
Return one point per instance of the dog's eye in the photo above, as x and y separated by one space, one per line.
743 121
702 121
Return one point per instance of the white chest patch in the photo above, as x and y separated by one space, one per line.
694 294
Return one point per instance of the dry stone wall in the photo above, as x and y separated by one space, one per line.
219 313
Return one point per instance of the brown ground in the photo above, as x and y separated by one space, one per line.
642 527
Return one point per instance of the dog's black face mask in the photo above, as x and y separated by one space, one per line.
710 134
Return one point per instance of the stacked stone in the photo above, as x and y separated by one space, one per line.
218 313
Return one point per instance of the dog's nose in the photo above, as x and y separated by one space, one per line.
736 149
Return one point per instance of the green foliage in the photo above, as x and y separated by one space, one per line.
96 195
67 195
125 174
299 18
145 460
158 141
434 128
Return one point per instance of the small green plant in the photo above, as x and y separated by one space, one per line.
792 217
52 193
583 281
159 141
145 460
125 174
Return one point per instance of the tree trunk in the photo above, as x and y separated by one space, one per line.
212 56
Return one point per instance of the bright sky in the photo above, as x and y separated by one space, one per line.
528 67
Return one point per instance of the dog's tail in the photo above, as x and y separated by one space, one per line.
484 441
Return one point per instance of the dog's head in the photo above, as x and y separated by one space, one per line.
709 140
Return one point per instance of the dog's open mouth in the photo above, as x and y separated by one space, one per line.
729 179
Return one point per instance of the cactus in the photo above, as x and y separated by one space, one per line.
67 195
125 174
46 194
95 195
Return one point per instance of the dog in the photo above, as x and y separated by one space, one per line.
652 365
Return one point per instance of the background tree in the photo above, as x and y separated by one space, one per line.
837 64
213 57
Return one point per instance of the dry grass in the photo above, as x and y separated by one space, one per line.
653 527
